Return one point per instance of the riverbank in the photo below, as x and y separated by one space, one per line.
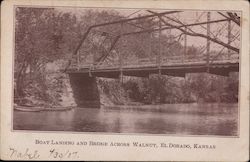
38 109
186 108
136 106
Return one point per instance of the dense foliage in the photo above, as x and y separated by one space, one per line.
166 89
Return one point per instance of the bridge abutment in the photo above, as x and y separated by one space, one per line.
85 91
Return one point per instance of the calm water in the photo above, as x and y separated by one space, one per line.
180 119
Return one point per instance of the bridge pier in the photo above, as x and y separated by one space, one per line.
85 90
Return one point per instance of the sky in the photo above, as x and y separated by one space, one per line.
186 17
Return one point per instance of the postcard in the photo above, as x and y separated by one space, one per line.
125 80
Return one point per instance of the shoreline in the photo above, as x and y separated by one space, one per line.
40 108
166 107
199 108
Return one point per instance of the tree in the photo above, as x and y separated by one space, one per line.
42 35
28 31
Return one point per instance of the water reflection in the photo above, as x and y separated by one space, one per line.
183 119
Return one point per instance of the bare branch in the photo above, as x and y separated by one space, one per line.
201 35
232 16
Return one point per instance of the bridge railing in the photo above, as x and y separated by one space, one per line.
153 62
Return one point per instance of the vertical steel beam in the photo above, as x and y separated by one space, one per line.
120 57
150 45
208 41
185 47
92 65
229 37
159 43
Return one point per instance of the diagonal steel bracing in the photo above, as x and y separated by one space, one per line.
165 26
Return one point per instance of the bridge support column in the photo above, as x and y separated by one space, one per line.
85 91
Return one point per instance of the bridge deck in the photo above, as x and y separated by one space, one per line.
174 69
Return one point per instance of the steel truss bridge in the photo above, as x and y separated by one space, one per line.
165 43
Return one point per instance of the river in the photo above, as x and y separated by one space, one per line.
172 119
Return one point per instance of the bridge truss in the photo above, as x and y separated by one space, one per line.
158 40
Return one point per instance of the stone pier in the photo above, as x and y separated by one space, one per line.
85 91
